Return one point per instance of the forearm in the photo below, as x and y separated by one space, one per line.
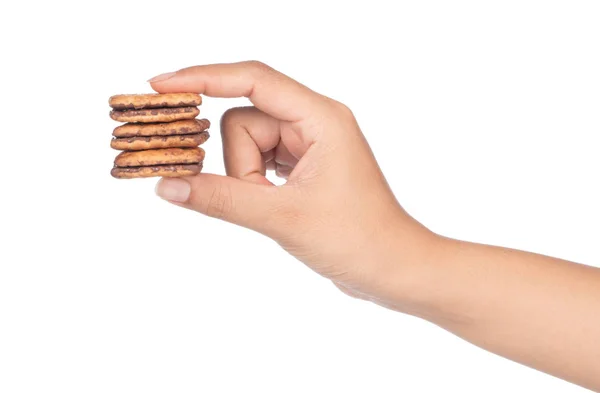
539 311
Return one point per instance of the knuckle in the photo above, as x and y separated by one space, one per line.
342 109
233 117
229 118
261 71
258 66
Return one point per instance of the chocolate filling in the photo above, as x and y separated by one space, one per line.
149 138
174 166
153 111
123 107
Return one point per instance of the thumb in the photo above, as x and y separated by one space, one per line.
240 202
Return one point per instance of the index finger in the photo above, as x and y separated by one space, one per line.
269 90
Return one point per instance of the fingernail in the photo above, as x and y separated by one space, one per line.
174 190
162 77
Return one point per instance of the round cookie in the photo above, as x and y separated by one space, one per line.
160 157
155 115
156 171
154 129
143 101
159 142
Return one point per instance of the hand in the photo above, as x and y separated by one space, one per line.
335 213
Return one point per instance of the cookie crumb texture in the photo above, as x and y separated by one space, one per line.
180 127
140 101
160 157
161 135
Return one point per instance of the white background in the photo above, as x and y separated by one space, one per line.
483 115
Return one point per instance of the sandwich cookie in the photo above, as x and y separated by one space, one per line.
159 142
171 162
153 115
184 133
153 129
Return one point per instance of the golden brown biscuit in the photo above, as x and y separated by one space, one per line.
156 171
155 115
142 101
159 142
154 129
160 157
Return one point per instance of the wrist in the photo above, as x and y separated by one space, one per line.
413 278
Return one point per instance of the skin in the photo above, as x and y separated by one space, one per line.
337 214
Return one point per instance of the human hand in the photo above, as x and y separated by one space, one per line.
335 213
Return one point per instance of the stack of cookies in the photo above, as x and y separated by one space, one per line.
161 136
